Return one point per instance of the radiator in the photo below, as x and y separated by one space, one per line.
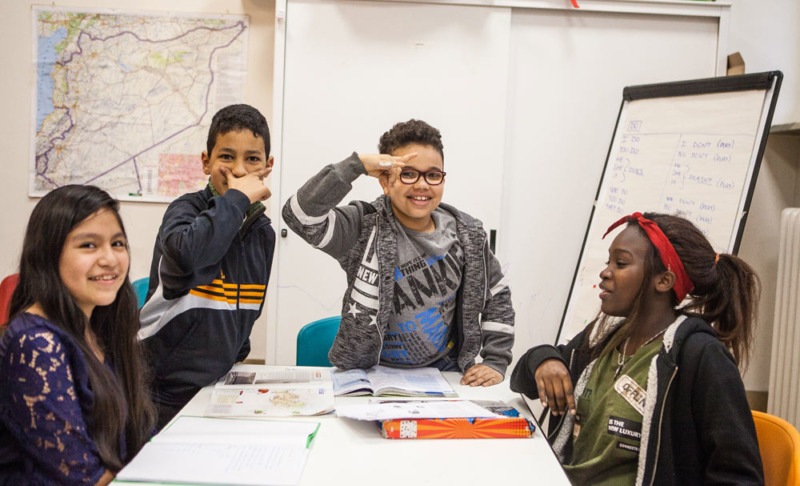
784 373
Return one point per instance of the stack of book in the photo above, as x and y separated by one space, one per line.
441 419
507 423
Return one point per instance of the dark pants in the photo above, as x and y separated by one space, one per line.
448 362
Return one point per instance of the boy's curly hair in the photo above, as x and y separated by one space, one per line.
412 131
234 118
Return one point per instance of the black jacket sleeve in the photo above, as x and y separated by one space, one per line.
522 378
571 354
726 433
195 239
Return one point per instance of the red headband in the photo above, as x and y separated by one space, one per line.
669 257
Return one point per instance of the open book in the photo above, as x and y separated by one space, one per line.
277 391
382 380
203 450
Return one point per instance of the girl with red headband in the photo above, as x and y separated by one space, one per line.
650 392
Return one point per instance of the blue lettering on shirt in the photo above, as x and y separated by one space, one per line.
433 326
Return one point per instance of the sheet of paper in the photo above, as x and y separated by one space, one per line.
202 450
272 401
189 426
397 409
279 391
215 463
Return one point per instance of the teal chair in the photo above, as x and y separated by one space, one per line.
314 341
140 287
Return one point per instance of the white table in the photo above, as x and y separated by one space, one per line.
351 452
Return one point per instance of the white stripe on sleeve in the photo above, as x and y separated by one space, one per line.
302 216
329 232
497 327
499 286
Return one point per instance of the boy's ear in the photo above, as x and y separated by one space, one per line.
384 180
270 161
665 281
206 160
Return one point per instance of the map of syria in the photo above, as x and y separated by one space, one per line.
123 100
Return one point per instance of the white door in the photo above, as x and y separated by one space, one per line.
352 70
568 72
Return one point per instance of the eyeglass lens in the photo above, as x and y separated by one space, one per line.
411 176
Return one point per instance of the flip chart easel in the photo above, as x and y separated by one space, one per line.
691 148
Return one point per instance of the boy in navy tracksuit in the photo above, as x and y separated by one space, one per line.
211 265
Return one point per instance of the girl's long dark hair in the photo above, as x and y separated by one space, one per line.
121 402
726 289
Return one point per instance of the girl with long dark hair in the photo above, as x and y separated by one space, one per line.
74 403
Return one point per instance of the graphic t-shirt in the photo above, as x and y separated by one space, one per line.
426 281
608 424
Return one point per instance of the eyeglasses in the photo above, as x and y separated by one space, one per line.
411 176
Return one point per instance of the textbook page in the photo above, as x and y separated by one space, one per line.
201 450
412 382
382 380
276 374
351 382
277 392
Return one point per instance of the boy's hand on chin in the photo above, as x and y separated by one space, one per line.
481 375
252 184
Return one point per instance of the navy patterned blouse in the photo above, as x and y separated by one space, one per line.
44 401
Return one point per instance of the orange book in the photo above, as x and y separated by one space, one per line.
510 425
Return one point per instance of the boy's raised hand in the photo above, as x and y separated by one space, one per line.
251 184
555 387
481 375
379 164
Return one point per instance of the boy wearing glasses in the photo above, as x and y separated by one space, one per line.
423 287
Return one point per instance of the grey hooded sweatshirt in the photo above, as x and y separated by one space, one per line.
361 238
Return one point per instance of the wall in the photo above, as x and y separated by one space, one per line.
561 119
765 34
16 85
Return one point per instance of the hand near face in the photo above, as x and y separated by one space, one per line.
379 164
555 387
481 375
252 184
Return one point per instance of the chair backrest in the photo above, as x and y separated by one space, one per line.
779 443
7 287
314 341
140 287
